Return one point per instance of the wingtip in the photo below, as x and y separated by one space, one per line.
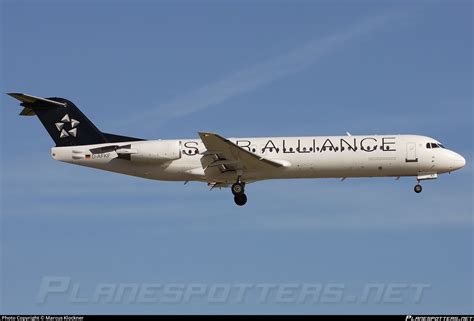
205 134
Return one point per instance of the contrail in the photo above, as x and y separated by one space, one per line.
260 74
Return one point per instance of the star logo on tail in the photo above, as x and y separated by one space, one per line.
67 126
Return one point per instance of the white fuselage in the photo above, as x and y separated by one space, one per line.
301 157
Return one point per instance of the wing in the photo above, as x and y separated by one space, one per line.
223 156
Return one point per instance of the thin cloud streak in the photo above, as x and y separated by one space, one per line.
260 74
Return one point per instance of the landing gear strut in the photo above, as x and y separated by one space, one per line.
238 189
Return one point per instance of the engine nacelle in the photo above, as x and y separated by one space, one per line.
158 151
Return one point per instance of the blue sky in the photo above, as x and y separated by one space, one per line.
253 68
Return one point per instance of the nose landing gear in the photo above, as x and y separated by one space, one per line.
238 189
422 177
418 188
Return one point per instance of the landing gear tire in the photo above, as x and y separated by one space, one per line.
418 188
240 199
237 188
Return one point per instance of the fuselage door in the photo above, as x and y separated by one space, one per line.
411 153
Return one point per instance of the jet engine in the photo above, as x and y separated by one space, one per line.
151 151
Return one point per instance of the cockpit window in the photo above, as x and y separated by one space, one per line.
434 145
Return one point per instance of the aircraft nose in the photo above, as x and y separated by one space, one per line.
459 161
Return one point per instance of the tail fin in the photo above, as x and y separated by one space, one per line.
65 123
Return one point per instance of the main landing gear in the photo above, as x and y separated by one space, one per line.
238 189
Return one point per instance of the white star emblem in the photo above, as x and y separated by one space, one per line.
67 130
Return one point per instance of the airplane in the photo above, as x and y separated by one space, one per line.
235 162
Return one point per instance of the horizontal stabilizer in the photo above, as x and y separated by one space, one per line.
28 99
